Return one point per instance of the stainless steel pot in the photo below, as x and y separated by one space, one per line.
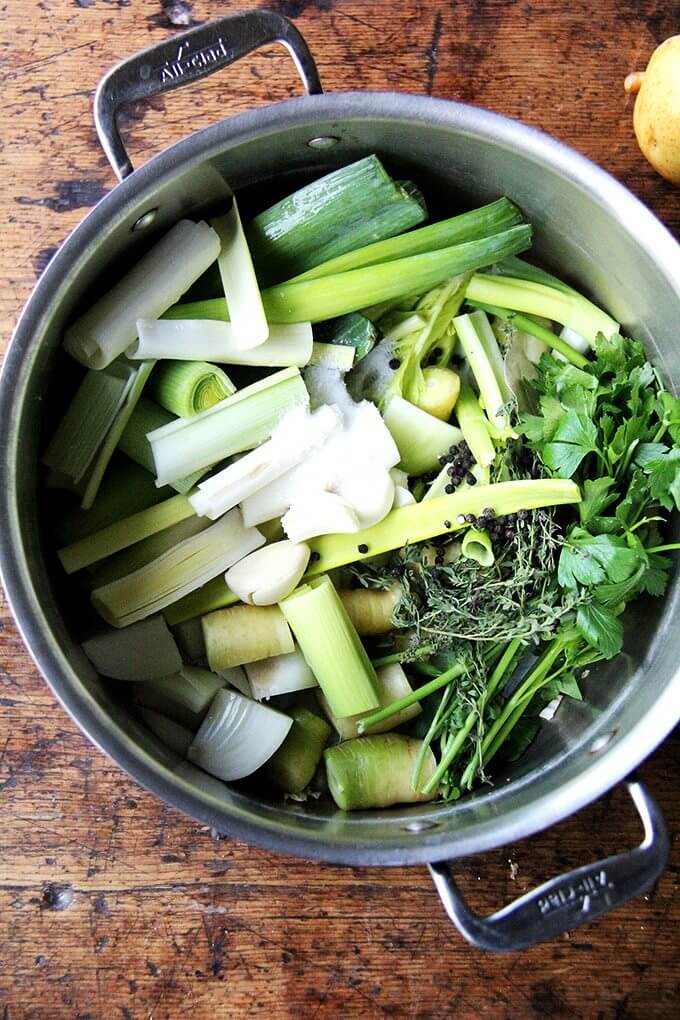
591 229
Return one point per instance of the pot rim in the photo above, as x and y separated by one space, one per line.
606 768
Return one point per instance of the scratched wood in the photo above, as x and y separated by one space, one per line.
113 906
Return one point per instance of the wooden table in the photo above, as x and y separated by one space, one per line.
114 906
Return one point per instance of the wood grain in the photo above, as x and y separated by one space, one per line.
114 906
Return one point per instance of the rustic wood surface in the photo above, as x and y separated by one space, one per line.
114 906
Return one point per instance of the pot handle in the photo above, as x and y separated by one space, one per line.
185 58
569 900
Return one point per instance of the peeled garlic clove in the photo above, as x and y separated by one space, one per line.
369 492
269 574
319 513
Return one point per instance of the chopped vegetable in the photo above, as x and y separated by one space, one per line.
146 417
185 696
239 282
141 652
351 330
178 738
370 610
484 357
391 685
187 387
476 545
280 674
375 772
421 437
292 767
186 339
245 634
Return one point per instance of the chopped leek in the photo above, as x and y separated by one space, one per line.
374 772
476 545
392 684
147 417
177 737
141 553
243 634
141 652
237 736
333 355
185 339
235 676
213 595
185 696
176 572
484 357
239 282
238 423
292 767
153 284
281 674
421 437
331 646
269 574
475 427
187 387
370 609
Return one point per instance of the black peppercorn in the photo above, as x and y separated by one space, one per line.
448 489
394 363
363 548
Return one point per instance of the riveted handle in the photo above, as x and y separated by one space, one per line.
184 59
565 902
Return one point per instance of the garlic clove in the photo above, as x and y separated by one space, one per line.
370 492
319 513
263 580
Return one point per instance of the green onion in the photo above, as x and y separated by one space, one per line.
185 696
239 282
475 427
375 772
148 417
476 545
141 652
332 356
187 387
570 309
420 437
470 226
292 767
391 685
331 646
245 634
146 550
181 339
484 357
237 736
351 330
176 572
154 283
177 738
280 674
335 214
238 423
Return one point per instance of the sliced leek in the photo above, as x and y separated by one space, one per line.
484 357
175 736
476 545
185 696
370 610
375 772
187 387
147 417
292 767
392 684
188 339
475 427
239 282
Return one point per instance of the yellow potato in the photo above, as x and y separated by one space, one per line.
656 117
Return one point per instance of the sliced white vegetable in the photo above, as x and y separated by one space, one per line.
421 437
154 283
236 677
184 697
143 651
392 684
332 355
320 513
269 574
209 340
282 674
175 736
296 435
402 497
246 311
370 493
237 736
399 477
485 360
575 340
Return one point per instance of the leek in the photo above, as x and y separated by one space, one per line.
528 325
237 736
484 357
154 283
420 437
213 595
185 696
438 486
370 610
332 355
281 674
375 772
475 427
125 533
476 545
331 646
239 282
141 652
143 552
392 684
245 634
341 211
189 637
147 417
238 423
292 767
186 339
187 387
351 330
178 738
176 572
269 574
569 309
470 226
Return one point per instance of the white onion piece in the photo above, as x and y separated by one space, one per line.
269 574
237 736
143 651
399 477
319 513
282 674
209 340
178 738
153 284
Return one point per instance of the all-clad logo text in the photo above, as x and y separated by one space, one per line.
582 893
184 62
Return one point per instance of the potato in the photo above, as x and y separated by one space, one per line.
656 117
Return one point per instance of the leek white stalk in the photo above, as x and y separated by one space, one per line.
475 427
269 574
246 312
175 736
282 674
186 387
154 283
484 357
236 424
375 772
184 697
421 437
143 651
476 545
292 767
243 634
333 355
210 340
141 553
392 684
146 417
237 736
330 644
295 436
177 572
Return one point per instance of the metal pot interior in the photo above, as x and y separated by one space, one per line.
588 229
